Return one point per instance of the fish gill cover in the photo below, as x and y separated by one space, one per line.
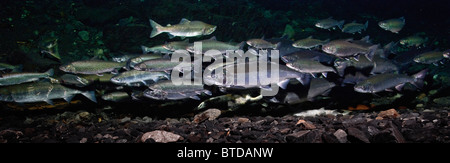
129 55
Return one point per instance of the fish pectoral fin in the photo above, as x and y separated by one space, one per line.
90 95
389 90
326 93
399 87
48 101
222 89
207 92
69 98
195 97
171 36
99 74
274 100
283 84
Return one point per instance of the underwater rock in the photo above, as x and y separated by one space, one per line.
306 125
160 136
209 114
391 113
356 135
341 136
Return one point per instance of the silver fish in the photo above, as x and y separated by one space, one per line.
262 44
71 79
155 49
285 74
157 65
185 28
309 66
91 67
383 82
303 54
134 76
414 40
345 48
14 68
176 45
432 57
319 86
166 90
309 43
116 96
142 58
41 92
213 44
354 27
329 23
23 77
393 25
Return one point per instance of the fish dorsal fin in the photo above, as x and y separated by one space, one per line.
310 37
354 21
366 39
330 17
262 38
213 38
187 40
402 18
184 20
168 25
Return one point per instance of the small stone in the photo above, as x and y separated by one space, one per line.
124 120
356 135
373 130
210 140
341 136
354 122
297 136
305 124
160 136
391 113
121 141
84 115
285 130
243 120
83 140
209 114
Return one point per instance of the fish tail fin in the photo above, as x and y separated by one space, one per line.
145 49
366 25
50 72
372 51
241 45
340 67
419 78
341 24
17 68
278 45
156 28
90 95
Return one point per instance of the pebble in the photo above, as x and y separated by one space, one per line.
83 140
209 114
305 124
341 136
160 136
391 113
